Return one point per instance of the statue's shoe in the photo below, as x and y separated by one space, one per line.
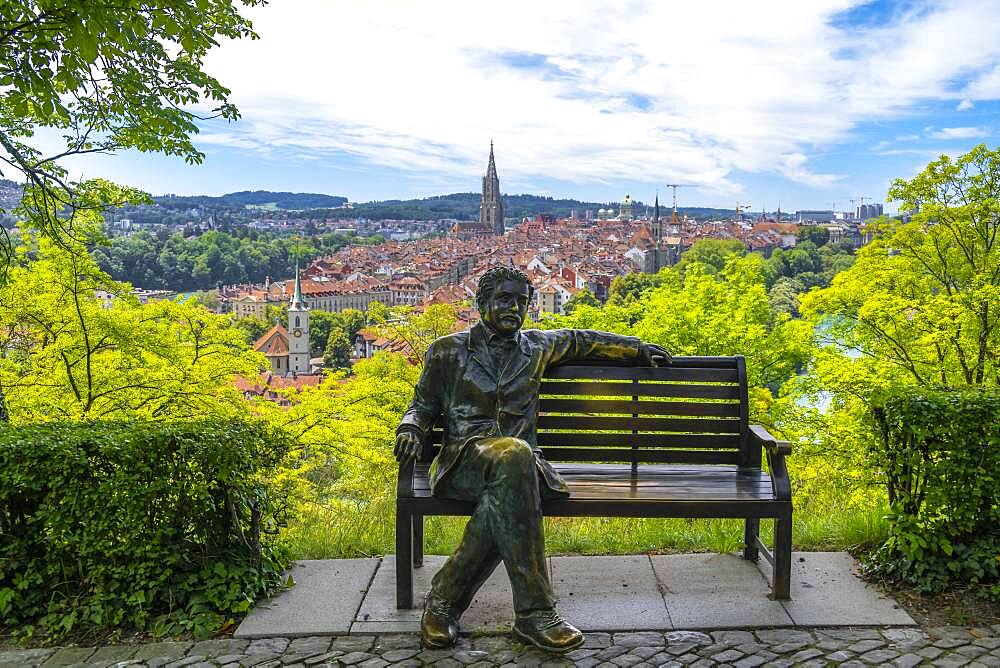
546 630
438 626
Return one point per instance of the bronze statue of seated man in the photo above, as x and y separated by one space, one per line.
485 383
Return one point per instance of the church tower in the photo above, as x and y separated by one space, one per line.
298 330
491 208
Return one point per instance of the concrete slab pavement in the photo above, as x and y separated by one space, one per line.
716 591
609 593
599 593
324 600
826 591
491 610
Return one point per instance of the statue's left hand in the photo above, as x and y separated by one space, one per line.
653 355
407 446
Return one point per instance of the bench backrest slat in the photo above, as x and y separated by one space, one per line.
666 373
645 424
596 388
627 407
693 411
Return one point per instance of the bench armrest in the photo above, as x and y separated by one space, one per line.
770 443
776 451
404 484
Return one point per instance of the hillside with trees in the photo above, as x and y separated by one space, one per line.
465 206
173 261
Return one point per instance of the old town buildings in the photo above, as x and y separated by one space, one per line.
562 256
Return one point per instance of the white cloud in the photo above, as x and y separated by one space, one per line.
960 133
964 105
561 87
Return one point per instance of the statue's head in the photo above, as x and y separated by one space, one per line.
503 297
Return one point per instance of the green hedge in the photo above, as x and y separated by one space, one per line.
940 452
163 527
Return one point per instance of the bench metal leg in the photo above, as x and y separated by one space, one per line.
750 539
418 541
782 574
404 558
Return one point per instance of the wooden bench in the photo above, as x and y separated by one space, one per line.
672 441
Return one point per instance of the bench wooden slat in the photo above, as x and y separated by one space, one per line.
645 476
663 373
653 483
601 440
637 455
597 388
590 423
693 441
694 362
624 406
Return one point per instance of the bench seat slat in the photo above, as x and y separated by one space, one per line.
652 483
707 375
624 406
591 423
598 389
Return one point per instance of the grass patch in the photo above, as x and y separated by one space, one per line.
342 530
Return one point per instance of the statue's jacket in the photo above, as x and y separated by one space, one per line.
480 399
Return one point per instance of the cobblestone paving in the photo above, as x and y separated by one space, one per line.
858 647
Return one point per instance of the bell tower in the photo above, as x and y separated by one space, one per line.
298 330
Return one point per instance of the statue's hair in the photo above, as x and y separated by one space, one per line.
489 281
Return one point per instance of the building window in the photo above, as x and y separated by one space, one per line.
297 321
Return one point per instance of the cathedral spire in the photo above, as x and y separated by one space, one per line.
657 225
491 206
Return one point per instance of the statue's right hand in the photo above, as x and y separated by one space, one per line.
407 446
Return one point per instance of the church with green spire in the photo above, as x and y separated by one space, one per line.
298 330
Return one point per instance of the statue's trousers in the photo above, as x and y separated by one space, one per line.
499 475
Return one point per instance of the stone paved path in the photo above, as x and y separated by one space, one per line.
859 647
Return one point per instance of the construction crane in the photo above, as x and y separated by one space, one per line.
675 186
740 208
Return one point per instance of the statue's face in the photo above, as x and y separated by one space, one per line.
507 307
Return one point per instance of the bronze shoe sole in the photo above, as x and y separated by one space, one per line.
525 638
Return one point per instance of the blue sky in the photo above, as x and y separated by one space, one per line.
802 103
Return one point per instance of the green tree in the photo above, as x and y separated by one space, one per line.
321 324
251 328
339 350
920 302
108 76
583 297
711 253
784 296
708 313
630 287
76 345
415 331
916 309
817 234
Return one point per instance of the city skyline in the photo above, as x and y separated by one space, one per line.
806 105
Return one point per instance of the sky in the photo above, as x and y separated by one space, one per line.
803 103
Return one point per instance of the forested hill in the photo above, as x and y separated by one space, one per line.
262 198
465 206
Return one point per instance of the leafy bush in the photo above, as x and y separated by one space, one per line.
940 452
162 526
